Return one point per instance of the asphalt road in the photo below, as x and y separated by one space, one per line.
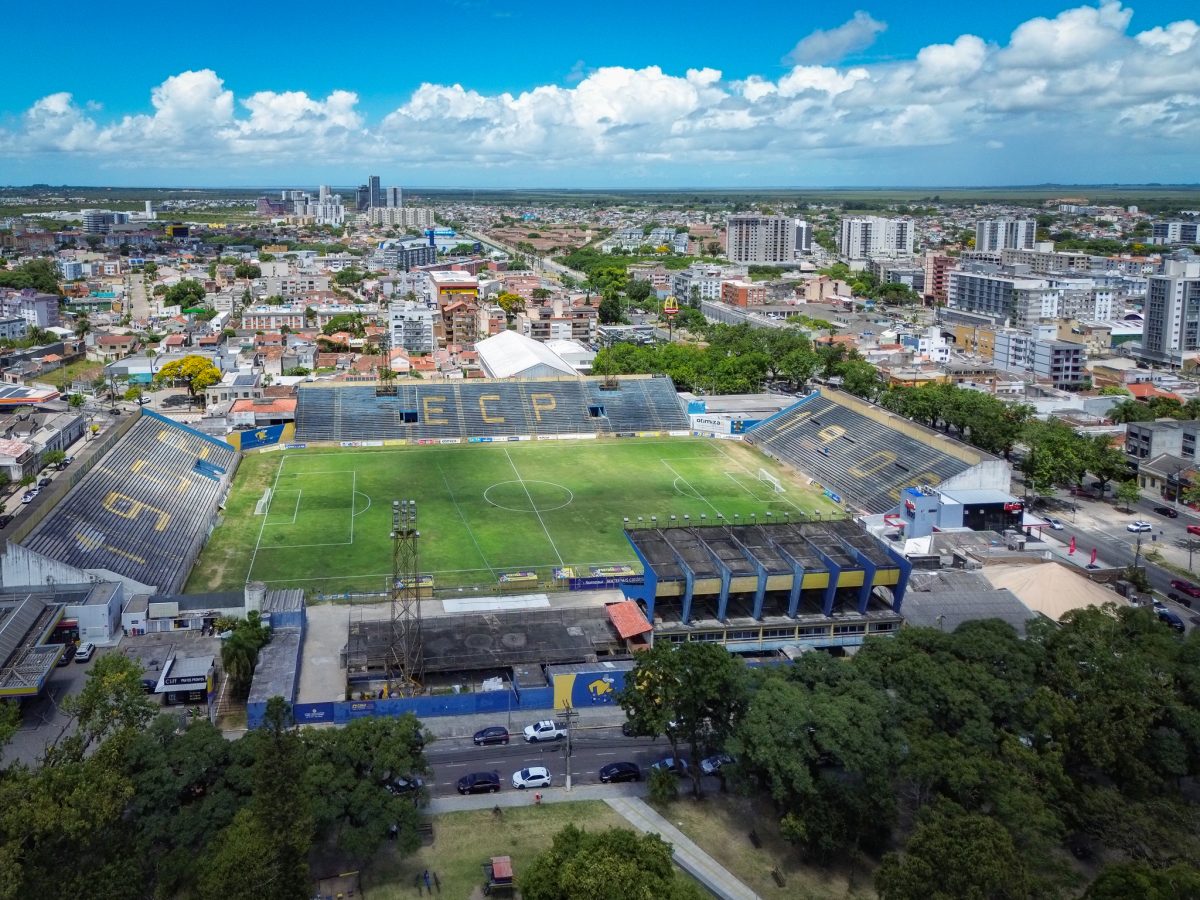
593 747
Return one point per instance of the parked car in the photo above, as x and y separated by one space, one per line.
545 730
6 520
401 785
628 730
1054 524
712 764
493 734
1187 588
533 777
28 496
43 482
1181 599
620 771
68 654
1193 529
1139 526
479 783
85 652
678 765
1171 619
1167 511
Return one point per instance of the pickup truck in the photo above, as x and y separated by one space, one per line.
546 730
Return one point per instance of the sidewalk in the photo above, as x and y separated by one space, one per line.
626 800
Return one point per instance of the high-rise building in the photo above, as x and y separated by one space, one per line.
374 195
868 236
803 236
394 198
362 198
754 238
1175 233
994 235
1172 310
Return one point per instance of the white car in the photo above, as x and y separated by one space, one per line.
1139 526
712 764
545 730
1055 524
533 777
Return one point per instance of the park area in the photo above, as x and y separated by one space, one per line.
513 515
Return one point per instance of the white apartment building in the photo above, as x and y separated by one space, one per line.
411 327
869 236
754 238
705 278
1016 300
399 216
1175 233
994 235
1172 310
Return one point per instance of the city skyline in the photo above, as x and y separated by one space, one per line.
1035 93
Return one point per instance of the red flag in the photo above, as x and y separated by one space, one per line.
1093 556
1071 547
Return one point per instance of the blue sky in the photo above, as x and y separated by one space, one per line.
518 94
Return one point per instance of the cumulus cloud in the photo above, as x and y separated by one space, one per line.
1078 80
835 44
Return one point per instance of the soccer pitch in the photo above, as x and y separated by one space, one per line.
484 509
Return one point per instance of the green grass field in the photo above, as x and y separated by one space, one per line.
484 510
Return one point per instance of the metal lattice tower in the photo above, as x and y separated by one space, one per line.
406 656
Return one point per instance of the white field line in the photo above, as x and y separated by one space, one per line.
533 506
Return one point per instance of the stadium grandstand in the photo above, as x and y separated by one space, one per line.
144 510
483 408
866 455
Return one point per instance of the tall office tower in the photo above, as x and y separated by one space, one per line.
761 239
994 235
1172 327
323 194
868 236
362 198
395 198
375 195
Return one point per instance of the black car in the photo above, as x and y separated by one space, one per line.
493 734
5 520
628 730
620 771
1167 511
479 783
1171 619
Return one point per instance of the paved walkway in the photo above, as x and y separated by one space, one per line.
626 800
687 855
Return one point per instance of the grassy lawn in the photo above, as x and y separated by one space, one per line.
463 841
721 824
485 510
79 370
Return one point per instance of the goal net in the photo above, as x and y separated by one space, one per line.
260 508
773 483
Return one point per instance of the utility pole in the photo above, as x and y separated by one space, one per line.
568 715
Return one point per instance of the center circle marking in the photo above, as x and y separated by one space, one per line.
526 494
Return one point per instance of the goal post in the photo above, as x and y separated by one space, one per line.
264 503
775 485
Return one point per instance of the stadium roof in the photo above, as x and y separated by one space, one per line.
508 354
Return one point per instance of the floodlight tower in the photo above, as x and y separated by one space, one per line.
406 656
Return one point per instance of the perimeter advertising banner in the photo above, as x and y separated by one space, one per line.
258 438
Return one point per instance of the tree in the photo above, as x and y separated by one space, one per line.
54 457
694 693
1107 462
639 290
239 652
358 778
133 393
610 310
583 865
860 378
112 698
187 293
247 270
954 855
76 401
541 293
1130 411
37 274
196 372
82 326
1113 390
1127 492
511 303
1121 881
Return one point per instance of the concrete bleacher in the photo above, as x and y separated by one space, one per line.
144 510
862 453
488 408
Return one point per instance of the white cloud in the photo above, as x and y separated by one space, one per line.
1069 89
835 44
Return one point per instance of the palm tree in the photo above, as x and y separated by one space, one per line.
238 657
82 326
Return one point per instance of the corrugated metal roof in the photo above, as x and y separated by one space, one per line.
627 618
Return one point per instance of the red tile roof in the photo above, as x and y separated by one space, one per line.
627 618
